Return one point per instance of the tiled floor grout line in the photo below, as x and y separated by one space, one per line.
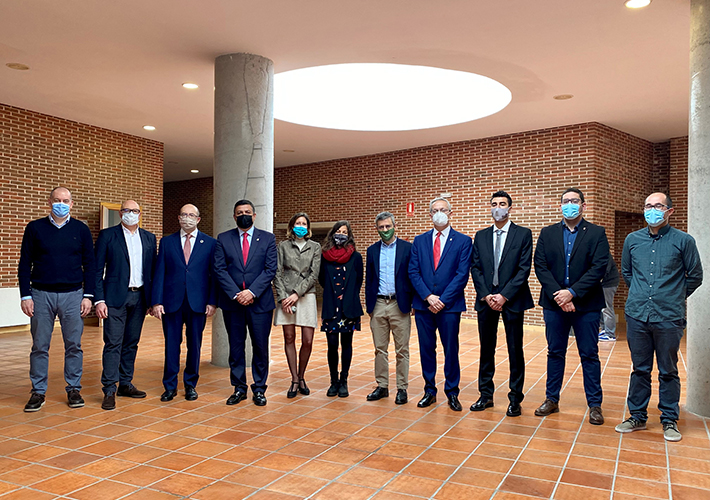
618 448
668 471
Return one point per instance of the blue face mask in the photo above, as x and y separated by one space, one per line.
570 211
60 209
654 217
300 231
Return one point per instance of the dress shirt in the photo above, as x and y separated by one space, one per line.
135 256
569 235
193 238
250 233
444 236
661 271
59 226
503 236
388 253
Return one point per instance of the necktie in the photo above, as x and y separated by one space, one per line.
245 248
437 250
496 256
186 248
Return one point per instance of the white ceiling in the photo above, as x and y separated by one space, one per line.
120 64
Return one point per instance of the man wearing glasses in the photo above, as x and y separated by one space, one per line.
125 259
439 264
184 293
570 262
661 265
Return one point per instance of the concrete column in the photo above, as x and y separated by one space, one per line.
243 154
698 342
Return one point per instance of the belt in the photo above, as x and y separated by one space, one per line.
135 288
388 297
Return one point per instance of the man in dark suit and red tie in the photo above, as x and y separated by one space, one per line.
438 269
125 259
184 293
245 263
500 268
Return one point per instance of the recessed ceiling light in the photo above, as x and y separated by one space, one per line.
19 66
637 4
195 171
188 85
563 97
381 97
289 150
148 127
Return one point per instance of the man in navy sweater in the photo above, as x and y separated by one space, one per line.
56 276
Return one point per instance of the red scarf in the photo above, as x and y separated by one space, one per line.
339 255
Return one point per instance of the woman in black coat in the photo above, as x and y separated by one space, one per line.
341 278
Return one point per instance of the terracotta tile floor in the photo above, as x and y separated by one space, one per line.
331 448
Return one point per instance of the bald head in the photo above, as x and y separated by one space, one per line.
661 198
130 214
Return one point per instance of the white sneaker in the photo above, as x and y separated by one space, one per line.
671 432
605 337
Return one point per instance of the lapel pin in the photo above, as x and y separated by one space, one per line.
257 239
202 241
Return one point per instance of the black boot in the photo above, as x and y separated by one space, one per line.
333 389
343 389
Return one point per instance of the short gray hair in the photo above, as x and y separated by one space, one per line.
440 198
383 216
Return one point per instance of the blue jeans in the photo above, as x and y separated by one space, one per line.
48 306
645 339
586 330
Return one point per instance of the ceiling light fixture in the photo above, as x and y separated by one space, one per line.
188 85
148 127
637 4
18 66
195 171
385 97
562 97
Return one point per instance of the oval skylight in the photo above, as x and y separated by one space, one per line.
385 97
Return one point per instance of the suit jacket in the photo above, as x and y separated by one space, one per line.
587 266
513 269
402 284
450 278
112 257
352 308
234 276
174 278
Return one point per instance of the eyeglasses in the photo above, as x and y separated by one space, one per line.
657 206
442 210
130 210
188 216
575 201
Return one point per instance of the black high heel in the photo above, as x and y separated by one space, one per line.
292 390
303 388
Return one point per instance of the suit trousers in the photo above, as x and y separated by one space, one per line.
386 318
488 336
447 323
259 326
49 305
122 331
608 321
172 331
586 330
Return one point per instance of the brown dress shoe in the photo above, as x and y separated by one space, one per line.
595 415
548 407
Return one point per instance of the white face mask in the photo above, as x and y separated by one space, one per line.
188 223
499 213
130 219
440 218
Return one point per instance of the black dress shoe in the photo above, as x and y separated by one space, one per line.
401 397
303 388
168 395
292 390
236 397
482 404
109 402
190 393
378 393
428 400
129 391
454 402
514 410
259 398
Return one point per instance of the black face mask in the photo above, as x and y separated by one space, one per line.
340 239
244 221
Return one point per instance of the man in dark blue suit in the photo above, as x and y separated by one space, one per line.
125 259
500 268
388 297
184 293
570 262
245 263
438 268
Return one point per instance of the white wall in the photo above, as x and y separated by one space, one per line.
10 312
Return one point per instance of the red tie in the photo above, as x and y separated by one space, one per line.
186 248
245 248
437 250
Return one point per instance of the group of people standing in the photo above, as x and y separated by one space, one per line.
192 274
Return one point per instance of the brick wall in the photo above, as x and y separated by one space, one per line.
679 181
39 152
198 192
